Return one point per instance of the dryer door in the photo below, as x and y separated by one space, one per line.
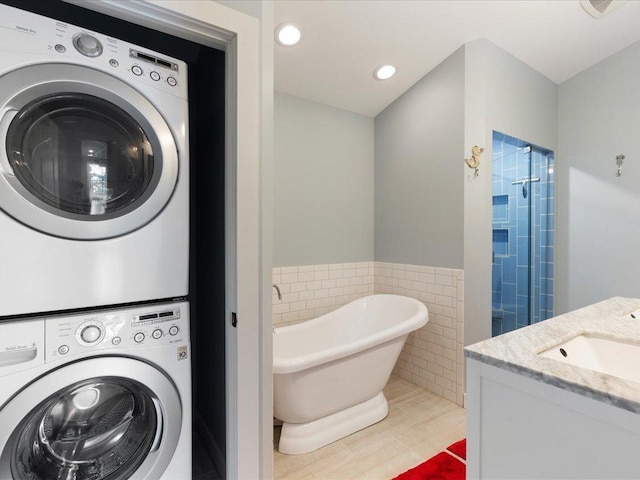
89 421
84 155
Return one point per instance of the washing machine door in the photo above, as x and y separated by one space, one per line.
84 155
91 421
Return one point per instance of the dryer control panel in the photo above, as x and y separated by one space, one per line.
28 32
123 330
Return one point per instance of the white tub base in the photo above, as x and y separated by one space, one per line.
297 438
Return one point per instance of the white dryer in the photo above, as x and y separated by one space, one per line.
99 395
94 186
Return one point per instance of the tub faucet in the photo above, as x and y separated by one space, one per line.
277 291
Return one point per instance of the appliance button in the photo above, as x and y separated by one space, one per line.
63 349
90 334
113 62
136 70
173 331
138 337
116 340
155 76
60 48
157 333
172 81
87 45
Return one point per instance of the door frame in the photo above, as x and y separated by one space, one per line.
238 35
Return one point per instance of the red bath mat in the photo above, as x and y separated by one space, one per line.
443 466
459 448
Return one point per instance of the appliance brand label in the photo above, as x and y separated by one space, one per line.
183 354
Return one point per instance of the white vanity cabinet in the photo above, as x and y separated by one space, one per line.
521 428
532 417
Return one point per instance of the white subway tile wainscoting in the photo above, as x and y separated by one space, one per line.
432 356
313 290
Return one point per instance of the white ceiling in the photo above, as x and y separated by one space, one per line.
344 40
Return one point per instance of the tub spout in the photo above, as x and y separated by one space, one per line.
277 291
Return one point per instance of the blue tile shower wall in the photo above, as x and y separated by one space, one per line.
542 166
522 283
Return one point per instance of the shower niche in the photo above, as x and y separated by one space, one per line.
523 230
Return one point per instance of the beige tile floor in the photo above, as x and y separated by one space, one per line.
419 425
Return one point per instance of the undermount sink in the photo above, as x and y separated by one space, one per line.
607 355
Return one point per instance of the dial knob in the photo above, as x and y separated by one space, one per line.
87 45
90 334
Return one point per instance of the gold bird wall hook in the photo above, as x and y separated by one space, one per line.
474 161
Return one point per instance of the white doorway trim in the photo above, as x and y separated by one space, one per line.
217 26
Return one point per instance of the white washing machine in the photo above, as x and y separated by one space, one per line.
94 186
99 395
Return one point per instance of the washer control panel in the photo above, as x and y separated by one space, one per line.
27 32
22 345
156 325
123 329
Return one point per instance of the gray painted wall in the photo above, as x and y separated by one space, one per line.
418 168
323 184
504 94
250 7
599 213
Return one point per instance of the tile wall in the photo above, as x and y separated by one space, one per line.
313 290
542 225
522 279
432 356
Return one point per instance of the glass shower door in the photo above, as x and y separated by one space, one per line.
542 223
522 227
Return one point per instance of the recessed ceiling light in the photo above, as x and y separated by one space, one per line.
287 34
384 72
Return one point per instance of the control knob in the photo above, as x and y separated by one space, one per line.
89 333
87 45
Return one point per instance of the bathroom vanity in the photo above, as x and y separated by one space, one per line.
559 399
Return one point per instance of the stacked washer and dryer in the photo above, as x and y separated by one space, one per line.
93 214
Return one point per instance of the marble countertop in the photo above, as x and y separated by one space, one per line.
517 351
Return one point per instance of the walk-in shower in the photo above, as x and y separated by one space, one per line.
523 220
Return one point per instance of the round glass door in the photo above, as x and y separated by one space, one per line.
83 155
80 155
101 418
93 430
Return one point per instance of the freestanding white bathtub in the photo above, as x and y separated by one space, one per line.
329 372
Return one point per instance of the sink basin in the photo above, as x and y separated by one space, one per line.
602 354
